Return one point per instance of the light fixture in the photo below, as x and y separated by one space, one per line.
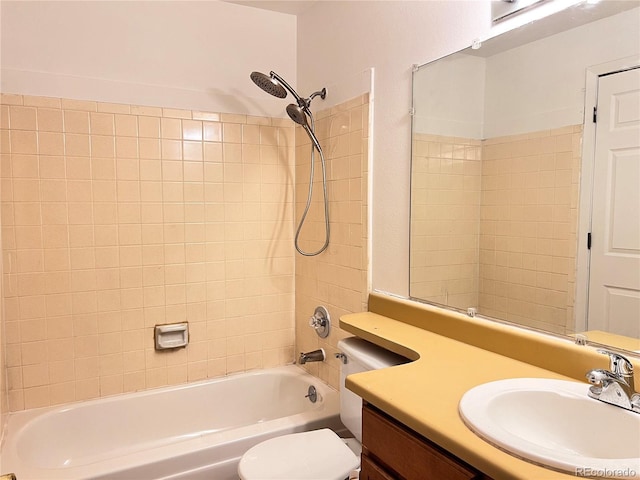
502 9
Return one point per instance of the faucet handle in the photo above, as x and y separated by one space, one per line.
321 322
620 365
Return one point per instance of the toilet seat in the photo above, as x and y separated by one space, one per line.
315 455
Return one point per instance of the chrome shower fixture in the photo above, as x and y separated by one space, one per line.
297 114
269 84
300 113
277 86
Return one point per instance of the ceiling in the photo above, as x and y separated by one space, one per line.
292 7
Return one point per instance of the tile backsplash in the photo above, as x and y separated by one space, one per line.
116 218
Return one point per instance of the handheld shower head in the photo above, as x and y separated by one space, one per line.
268 84
298 115
277 86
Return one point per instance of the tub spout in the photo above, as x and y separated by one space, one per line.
315 356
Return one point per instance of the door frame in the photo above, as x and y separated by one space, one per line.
585 204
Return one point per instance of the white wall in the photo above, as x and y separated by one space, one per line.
180 54
541 84
339 39
449 97
537 86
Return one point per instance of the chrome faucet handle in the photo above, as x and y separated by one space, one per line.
321 322
599 376
619 364
317 321
614 386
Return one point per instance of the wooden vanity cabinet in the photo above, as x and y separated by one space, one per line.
391 451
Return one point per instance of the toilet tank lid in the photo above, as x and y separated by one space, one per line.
368 354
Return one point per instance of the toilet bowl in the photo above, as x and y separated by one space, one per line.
321 454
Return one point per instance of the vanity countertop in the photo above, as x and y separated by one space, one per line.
424 394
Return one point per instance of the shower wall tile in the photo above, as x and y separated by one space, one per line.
494 224
116 218
445 219
7 375
337 278
528 227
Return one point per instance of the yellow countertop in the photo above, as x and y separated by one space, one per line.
620 341
424 394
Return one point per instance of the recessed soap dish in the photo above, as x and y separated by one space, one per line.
173 335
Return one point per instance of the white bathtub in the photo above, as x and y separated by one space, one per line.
195 431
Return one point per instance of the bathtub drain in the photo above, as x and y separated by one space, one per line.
312 395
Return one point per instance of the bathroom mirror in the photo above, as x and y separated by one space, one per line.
502 175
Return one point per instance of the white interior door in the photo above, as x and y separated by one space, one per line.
614 285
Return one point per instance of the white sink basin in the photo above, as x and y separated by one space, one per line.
555 424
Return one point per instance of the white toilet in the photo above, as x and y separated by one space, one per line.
321 454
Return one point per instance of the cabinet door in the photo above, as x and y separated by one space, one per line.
369 470
412 457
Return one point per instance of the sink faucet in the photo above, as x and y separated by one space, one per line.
615 386
315 356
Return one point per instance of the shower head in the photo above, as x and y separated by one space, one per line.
278 87
268 84
297 114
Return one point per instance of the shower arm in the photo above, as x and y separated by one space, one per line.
303 103
322 93
283 82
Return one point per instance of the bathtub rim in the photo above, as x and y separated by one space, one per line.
290 369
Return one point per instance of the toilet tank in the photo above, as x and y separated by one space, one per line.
361 356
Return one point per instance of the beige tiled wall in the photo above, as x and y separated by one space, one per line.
528 227
494 225
4 396
337 278
445 219
118 217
